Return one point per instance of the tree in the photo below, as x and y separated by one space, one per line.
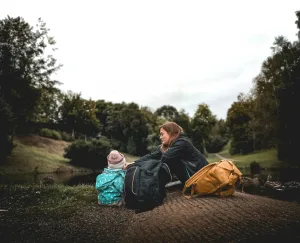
202 123
25 70
297 22
277 90
102 111
127 124
184 121
219 136
265 116
48 106
238 118
5 119
79 115
71 103
26 65
169 112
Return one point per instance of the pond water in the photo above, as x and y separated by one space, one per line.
65 178
76 178
281 175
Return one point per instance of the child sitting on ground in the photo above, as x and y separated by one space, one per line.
110 183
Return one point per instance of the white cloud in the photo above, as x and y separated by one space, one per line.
180 53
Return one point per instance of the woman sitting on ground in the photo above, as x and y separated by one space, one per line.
177 151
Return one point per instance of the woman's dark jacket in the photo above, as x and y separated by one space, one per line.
181 155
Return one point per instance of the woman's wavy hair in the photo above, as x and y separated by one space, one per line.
174 130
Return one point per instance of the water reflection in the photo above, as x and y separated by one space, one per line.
76 178
87 179
66 178
282 175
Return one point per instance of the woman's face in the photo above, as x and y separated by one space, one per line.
164 136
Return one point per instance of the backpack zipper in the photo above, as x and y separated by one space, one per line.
133 182
169 171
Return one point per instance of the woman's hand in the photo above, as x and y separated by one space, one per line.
128 164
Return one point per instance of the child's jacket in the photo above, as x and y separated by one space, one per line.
110 186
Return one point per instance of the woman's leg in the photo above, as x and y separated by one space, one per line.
178 168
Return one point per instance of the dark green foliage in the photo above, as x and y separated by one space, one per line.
90 154
25 73
66 137
24 69
126 123
240 147
169 112
115 144
5 118
6 147
268 117
153 142
79 115
218 138
278 90
34 102
48 133
202 125
215 144
184 121
131 146
238 122
254 168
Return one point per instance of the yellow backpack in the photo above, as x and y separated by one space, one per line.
218 178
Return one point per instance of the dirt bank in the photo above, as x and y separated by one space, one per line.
239 218
49 145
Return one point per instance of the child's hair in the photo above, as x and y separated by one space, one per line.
174 130
116 160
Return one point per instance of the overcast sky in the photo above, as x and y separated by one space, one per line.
154 53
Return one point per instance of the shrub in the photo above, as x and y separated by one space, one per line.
254 168
90 154
6 116
45 132
56 135
5 147
49 133
215 144
240 147
67 137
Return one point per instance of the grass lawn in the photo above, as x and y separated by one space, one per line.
212 158
35 154
266 158
130 158
225 151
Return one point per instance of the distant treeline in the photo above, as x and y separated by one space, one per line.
30 101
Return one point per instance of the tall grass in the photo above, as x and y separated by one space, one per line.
52 198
